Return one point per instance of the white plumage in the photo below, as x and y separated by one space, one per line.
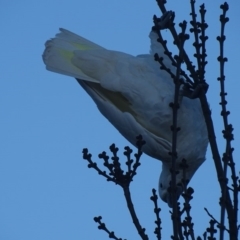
134 95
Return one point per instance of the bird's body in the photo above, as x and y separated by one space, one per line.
134 95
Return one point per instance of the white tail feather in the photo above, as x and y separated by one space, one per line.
59 53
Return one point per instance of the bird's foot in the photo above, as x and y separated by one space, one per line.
193 92
165 20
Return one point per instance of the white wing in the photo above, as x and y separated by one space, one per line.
131 79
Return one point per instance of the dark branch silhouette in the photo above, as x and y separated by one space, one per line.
116 174
102 226
192 85
157 210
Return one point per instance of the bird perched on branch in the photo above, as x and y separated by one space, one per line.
133 93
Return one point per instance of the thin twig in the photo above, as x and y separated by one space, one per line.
203 38
187 195
227 134
175 106
214 148
167 52
87 156
157 210
117 175
196 31
215 220
211 230
190 67
102 226
141 231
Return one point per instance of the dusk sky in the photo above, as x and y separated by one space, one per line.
46 189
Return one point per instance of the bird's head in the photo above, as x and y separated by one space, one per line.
164 187
165 179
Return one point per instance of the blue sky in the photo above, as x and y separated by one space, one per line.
46 190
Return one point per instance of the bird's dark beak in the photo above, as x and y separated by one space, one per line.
169 197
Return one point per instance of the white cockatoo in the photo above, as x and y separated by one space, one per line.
134 95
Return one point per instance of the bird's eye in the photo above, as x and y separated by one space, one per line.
161 185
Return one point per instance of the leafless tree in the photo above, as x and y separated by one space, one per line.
195 86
